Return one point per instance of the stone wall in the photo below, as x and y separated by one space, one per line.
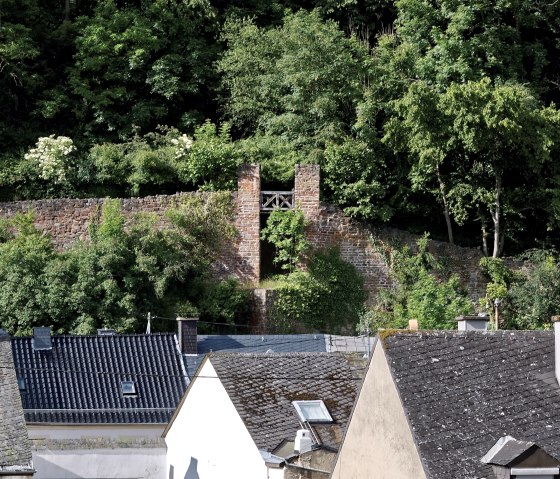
367 248
15 447
67 220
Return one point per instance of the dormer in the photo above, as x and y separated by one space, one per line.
514 459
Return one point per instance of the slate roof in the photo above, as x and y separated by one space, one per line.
15 447
263 386
278 343
79 380
462 391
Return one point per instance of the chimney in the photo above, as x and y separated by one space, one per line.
106 332
42 340
187 335
303 442
556 321
473 322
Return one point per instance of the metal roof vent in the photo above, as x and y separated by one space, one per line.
106 332
478 322
303 442
42 340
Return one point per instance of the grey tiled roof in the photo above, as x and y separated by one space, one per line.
263 386
79 380
255 343
15 448
278 343
462 391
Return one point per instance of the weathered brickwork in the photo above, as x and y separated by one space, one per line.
67 220
306 190
363 247
247 223
15 447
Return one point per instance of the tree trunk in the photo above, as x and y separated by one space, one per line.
445 206
484 231
66 10
496 216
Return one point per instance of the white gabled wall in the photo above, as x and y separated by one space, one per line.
208 439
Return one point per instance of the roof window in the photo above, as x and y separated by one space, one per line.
128 388
21 383
312 411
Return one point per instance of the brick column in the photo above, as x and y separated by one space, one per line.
306 190
247 223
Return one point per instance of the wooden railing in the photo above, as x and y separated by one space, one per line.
277 200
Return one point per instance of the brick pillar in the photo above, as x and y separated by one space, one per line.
306 190
247 223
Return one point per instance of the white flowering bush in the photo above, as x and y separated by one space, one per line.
51 156
182 145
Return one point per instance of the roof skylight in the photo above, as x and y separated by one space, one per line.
312 411
128 388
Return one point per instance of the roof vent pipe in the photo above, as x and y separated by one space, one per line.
478 322
187 335
303 442
556 321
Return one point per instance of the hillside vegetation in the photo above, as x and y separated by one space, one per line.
437 116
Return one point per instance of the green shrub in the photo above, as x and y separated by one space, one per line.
535 295
285 230
420 291
328 297
224 302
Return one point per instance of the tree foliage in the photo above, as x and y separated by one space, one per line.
299 81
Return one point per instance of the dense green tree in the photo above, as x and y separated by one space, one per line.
140 64
299 81
22 277
535 295
473 146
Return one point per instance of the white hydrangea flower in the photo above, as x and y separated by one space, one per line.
183 144
50 154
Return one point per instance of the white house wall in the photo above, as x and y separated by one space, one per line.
208 439
98 451
129 463
378 443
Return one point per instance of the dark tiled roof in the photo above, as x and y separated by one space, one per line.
15 448
79 380
263 386
462 391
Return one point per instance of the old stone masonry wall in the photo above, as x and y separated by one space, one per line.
67 220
